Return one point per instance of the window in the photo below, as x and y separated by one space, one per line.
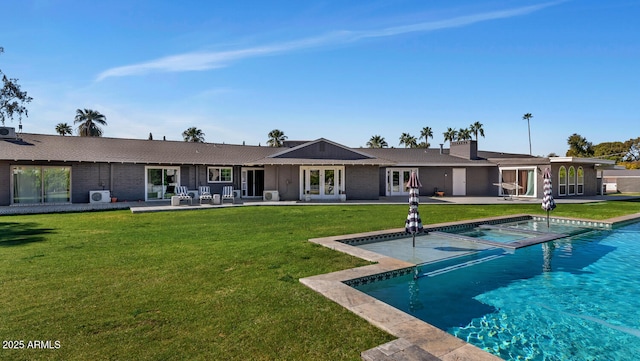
36 184
518 182
580 180
571 181
219 174
562 181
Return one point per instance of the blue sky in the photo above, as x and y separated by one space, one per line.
340 70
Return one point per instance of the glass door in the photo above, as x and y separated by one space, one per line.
252 182
162 182
397 181
36 184
322 182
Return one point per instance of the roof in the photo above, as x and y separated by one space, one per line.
52 148
622 173
433 156
40 147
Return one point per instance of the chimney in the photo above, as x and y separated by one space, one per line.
467 149
441 150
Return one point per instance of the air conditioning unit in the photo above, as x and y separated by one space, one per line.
7 133
270 196
237 194
99 196
195 195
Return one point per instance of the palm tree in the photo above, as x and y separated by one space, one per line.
377 141
89 120
527 117
476 128
63 129
276 138
464 134
426 133
408 140
450 135
194 135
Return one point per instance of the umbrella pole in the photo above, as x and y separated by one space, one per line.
414 240
547 219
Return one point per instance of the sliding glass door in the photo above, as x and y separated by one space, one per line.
161 182
36 184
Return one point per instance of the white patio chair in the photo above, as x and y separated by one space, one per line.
227 193
205 193
182 192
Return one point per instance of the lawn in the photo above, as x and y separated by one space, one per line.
217 284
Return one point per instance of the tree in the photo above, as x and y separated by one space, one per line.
276 138
464 134
89 120
408 140
193 135
377 141
476 128
12 99
527 117
63 129
579 147
450 135
426 133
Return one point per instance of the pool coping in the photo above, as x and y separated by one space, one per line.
416 339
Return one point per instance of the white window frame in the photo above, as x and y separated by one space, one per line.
562 186
210 173
571 181
580 180
163 187
519 192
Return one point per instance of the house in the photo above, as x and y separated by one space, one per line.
620 180
41 169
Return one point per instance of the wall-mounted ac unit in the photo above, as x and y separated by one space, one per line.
270 196
195 195
7 133
99 196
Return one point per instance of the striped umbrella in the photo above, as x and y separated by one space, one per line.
548 204
413 224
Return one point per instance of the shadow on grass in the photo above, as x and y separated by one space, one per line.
17 234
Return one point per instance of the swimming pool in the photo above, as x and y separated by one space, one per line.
569 299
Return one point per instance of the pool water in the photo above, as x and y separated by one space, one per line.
570 299
496 235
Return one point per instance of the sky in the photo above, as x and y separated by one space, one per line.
340 70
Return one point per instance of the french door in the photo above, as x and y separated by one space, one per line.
321 182
397 182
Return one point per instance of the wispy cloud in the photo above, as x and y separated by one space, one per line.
198 61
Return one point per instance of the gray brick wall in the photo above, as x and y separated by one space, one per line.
362 182
5 181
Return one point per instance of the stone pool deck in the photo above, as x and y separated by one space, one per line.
416 339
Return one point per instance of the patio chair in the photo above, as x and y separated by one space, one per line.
205 193
182 192
227 193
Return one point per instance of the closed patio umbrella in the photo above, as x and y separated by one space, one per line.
413 224
548 204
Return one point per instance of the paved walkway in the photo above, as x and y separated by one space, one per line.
161 206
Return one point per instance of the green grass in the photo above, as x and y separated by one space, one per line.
219 284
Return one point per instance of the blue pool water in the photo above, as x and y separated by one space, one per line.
574 298
496 235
